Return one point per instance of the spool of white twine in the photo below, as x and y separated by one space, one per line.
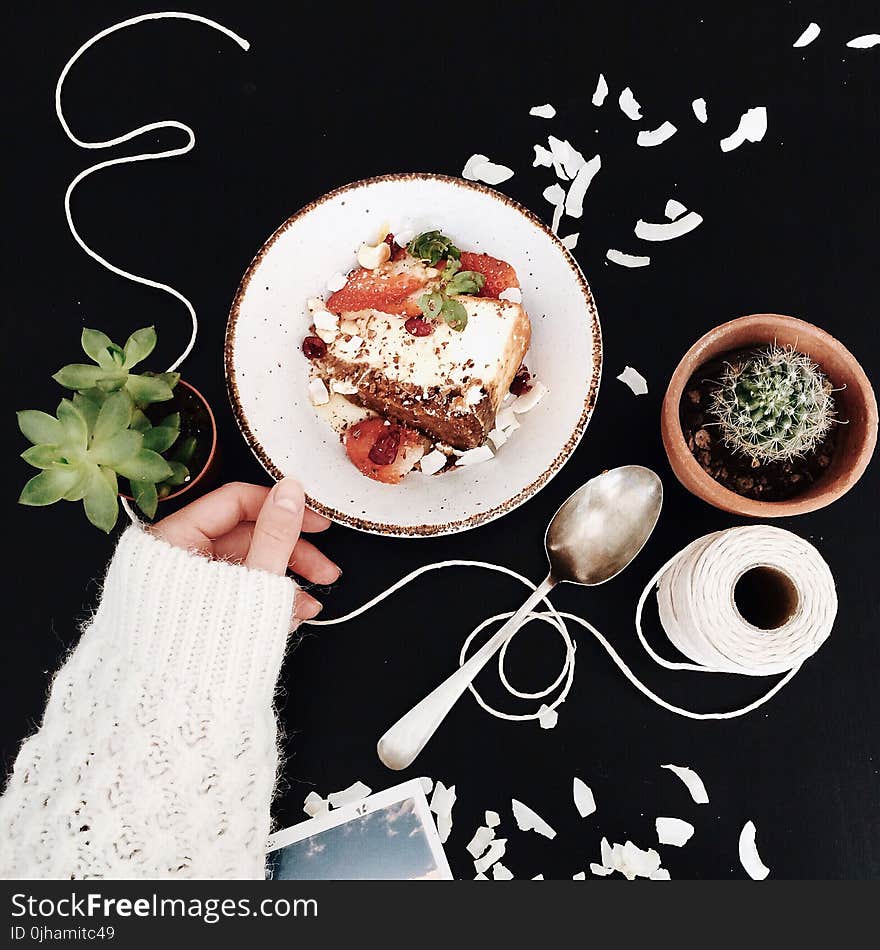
703 610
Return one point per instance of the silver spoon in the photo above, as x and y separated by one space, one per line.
593 536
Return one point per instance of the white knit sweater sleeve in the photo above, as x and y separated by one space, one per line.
156 757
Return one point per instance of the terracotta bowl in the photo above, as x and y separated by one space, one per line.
855 401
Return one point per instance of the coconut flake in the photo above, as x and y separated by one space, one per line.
543 112
580 876
864 42
343 386
607 853
663 231
498 437
632 862
481 877
807 37
354 793
543 157
527 401
318 392
627 260
314 805
506 420
529 820
600 870
569 242
501 873
574 200
634 379
324 320
538 877
493 819
432 462
566 156
674 209
350 346
674 831
661 874
628 105
752 127
601 91
555 194
513 294
482 453
427 784
699 107
480 841
337 281
692 781
479 168
652 137
496 851
547 717
748 853
443 799
584 801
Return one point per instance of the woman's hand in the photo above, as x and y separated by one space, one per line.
258 527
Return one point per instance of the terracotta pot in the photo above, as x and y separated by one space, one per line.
855 400
206 469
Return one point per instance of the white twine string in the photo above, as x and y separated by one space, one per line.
697 610
143 157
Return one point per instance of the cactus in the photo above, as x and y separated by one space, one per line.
774 405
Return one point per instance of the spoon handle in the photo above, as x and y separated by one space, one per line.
401 744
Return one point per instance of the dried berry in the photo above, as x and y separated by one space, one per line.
386 446
416 326
520 384
314 347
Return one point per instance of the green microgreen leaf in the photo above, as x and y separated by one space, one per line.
432 246
454 314
465 282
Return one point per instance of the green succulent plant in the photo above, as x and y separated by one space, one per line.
111 370
774 405
102 433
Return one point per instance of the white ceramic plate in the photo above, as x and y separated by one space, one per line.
267 374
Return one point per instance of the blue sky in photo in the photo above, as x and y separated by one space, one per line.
387 845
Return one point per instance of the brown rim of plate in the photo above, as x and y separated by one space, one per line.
481 517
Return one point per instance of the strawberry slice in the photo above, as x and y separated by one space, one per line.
383 452
388 290
499 274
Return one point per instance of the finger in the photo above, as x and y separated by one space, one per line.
277 528
310 563
234 545
305 606
212 515
313 522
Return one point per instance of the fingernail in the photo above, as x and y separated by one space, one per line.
288 494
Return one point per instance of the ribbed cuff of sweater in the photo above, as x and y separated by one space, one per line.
204 625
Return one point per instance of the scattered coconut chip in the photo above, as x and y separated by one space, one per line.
337 282
538 877
501 873
574 200
752 127
674 831
354 793
674 209
547 717
527 401
313 304
513 294
566 155
472 164
528 820
443 799
557 218
663 231
496 851
607 853
632 862
324 320
600 870
481 877
807 37
627 260
493 819
427 784
628 105
543 112
584 801
498 437
748 854
555 194
343 386
569 242
634 379
482 453
580 876
506 420
864 42
480 841
692 781
651 137
699 107
543 157
314 805
444 827
432 462
318 393
601 91
661 874
479 168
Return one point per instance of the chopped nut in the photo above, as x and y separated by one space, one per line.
371 256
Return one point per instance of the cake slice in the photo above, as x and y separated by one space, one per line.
448 383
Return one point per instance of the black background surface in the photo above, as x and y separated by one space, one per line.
327 95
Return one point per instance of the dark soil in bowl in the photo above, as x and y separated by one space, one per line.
772 481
